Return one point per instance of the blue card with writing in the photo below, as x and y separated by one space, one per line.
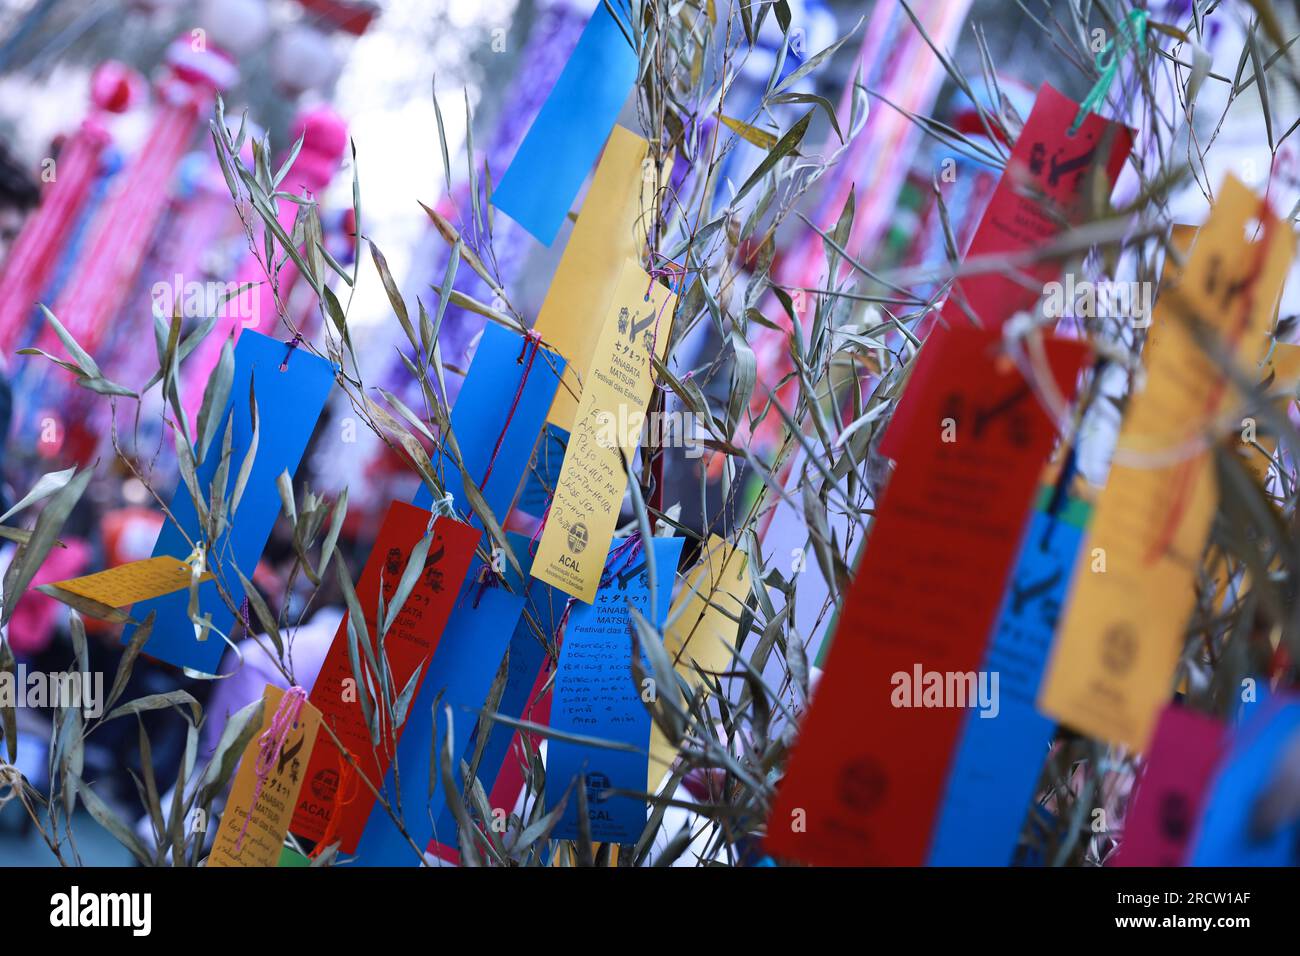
507 392
289 403
1227 835
561 146
1000 756
596 695
464 664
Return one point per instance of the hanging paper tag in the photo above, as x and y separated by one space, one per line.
918 615
1112 666
620 381
998 761
408 646
501 767
1237 828
498 414
460 677
1184 753
610 230
551 163
1039 196
262 841
128 583
288 404
701 631
596 694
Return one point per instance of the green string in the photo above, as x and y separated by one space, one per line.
1134 27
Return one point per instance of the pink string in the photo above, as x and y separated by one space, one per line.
671 271
269 746
627 551
541 525
532 341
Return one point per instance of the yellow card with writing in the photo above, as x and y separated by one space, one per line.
1111 669
611 229
128 583
263 840
701 630
593 477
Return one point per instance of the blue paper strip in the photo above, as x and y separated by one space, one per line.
596 695
527 655
483 410
544 475
1226 836
288 406
998 761
463 667
551 163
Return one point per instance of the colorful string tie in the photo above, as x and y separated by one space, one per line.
292 344
348 789
487 578
269 746
528 355
1133 29
670 272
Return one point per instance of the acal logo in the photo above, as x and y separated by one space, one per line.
862 784
76 909
598 785
577 537
1118 649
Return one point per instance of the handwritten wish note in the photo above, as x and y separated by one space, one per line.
268 809
1112 666
593 478
703 626
998 760
1158 828
597 695
610 230
408 646
1038 197
922 603
128 583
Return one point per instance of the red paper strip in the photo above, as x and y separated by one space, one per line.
866 777
409 645
1049 164
1180 764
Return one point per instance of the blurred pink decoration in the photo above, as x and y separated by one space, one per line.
324 141
113 89
32 627
123 229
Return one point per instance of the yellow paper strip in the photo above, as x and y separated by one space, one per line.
128 583
264 838
611 229
1112 667
593 478
701 631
